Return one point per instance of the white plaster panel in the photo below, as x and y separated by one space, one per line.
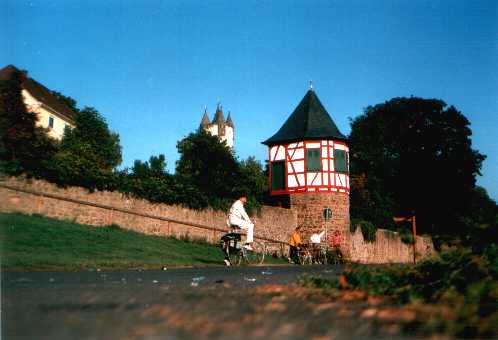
298 154
325 179
273 149
332 179
300 144
293 145
342 179
312 145
300 178
331 167
298 166
280 154
325 165
324 152
291 181
331 152
310 176
340 147
289 168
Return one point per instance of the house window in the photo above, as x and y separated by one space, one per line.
278 175
51 122
341 161
313 161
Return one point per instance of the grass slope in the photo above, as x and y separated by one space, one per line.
39 243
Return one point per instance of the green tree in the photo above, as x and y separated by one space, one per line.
24 147
88 154
415 155
254 182
207 170
482 219
150 180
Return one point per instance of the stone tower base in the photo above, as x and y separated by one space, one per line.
309 207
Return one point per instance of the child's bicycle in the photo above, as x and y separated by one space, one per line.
319 254
235 253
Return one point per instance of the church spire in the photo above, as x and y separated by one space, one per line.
218 116
205 119
229 121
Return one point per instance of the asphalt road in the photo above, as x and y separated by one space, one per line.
218 303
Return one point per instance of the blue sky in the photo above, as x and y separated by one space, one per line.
150 67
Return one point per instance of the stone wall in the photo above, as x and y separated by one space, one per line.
81 206
104 208
309 208
388 248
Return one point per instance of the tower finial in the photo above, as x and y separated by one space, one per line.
311 84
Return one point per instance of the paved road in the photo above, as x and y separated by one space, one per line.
221 303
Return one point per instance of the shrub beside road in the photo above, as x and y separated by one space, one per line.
454 294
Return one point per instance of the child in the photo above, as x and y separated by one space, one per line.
295 242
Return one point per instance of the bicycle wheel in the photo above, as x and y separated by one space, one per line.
235 257
257 255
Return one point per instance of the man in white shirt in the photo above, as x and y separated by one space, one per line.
317 238
238 217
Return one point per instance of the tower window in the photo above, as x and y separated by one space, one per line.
278 175
313 161
341 161
51 122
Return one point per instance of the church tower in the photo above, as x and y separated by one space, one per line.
220 127
309 165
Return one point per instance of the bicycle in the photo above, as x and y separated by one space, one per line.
314 254
305 255
235 253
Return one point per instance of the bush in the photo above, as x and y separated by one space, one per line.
368 230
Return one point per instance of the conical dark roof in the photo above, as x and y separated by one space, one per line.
309 121
218 116
205 119
229 121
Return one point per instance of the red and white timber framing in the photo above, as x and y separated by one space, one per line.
297 179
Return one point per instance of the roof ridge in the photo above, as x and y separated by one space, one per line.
40 92
309 120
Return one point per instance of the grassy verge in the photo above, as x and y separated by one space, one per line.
454 294
40 243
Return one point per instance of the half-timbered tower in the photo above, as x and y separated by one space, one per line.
309 162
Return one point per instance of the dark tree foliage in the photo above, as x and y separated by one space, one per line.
414 155
482 219
208 171
150 181
253 182
24 147
88 153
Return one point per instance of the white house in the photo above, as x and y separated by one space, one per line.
52 113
